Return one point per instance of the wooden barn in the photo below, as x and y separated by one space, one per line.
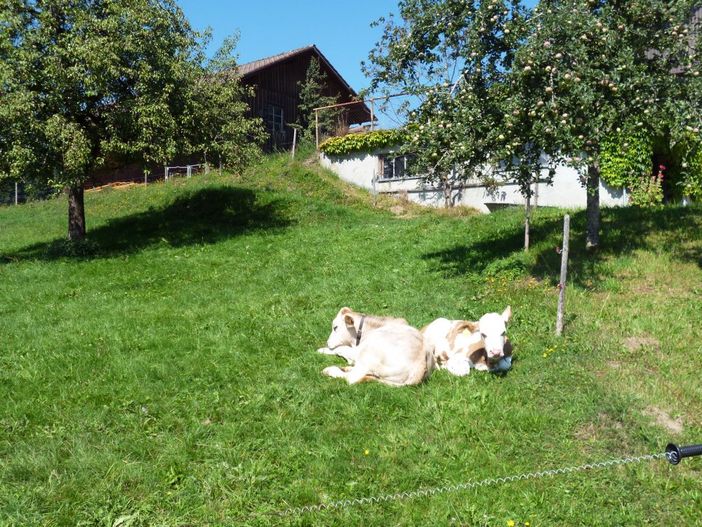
277 93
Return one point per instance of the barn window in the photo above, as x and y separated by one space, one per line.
273 117
396 167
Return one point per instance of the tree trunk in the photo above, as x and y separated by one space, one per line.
76 213
446 187
593 207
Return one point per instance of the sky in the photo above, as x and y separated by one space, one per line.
340 29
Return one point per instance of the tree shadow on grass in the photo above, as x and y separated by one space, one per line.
676 230
203 217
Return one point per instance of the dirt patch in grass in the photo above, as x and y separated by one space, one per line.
643 341
602 426
662 418
398 210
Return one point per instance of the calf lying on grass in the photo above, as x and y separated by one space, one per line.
459 345
381 349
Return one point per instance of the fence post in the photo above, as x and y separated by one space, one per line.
527 220
189 170
165 173
16 193
294 142
316 128
564 275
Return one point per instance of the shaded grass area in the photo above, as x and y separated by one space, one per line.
167 376
624 231
205 216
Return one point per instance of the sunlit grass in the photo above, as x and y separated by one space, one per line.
166 373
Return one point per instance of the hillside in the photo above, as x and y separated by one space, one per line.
165 373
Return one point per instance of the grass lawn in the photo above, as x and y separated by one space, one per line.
165 373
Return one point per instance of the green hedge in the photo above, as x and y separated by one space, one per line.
363 142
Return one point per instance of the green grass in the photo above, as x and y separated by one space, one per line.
164 373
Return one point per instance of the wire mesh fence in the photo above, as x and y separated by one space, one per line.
184 171
16 192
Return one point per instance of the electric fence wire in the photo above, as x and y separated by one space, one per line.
488 482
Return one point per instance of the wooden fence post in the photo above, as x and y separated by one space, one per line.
527 221
316 128
16 193
564 275
294 142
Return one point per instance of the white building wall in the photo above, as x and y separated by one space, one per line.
359 169
566 189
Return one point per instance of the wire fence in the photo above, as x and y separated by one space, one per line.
185 171
12 192
671 454
17 192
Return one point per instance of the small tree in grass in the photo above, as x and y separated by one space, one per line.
455 57
591 71
216 115
86 81
312 96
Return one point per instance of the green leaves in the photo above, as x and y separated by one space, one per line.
625 158
69 147
500 84
85 84
363 142
311 97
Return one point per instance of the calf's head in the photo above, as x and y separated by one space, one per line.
493 331
343 329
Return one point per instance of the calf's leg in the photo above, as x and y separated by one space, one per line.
352 375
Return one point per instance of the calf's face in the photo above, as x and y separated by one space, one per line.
343 331
493 331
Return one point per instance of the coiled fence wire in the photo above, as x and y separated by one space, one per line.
470 485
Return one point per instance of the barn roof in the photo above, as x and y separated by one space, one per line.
250 68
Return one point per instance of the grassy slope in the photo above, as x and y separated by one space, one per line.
167 376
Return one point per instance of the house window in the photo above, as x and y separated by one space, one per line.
273 117
396 167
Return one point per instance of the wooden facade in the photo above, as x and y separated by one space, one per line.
277 92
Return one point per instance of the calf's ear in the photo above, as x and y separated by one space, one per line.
344 310
349 320
507 314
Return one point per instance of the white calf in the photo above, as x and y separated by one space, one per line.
459 345
380 349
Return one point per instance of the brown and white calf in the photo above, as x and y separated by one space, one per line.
462 345
380 349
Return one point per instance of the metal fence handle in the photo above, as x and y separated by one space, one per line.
676 454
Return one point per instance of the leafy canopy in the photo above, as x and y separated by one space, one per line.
501 84
85 81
